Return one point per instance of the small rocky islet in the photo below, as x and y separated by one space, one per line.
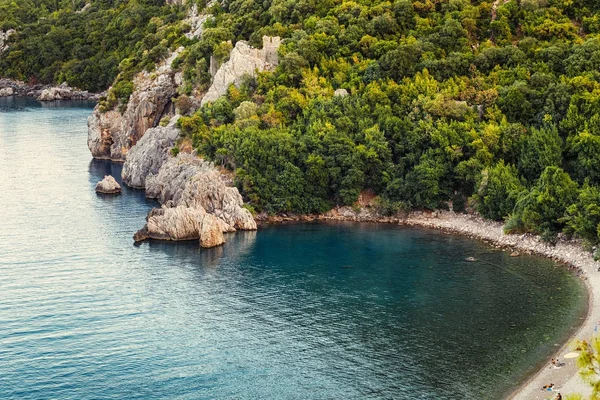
108 185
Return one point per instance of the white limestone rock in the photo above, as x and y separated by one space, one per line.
340 93
190 181
182 223
108 185
243 60
149 154
6 92
4 35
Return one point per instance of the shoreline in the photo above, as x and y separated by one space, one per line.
570 253
45 92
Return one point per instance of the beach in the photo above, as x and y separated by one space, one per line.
565 379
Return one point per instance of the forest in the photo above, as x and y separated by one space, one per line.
86 46
481 106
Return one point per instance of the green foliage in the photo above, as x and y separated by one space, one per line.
588 363
445 103
183 104
541 209
541 149
53 43
583 217
164 121
499 189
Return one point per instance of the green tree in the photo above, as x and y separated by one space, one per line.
498 191
541 209
540 149
583 217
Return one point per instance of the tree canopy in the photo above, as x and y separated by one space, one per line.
488 106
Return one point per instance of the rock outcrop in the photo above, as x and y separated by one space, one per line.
4 35
192 182
112 134
149 154
5 92
196 22
340 93
108 185
65 92
243 60
182 223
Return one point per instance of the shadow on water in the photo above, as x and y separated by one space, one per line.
236 246
98 169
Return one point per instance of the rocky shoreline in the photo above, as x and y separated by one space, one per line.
569 252
9 87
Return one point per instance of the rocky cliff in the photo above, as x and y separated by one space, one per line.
111 134
192 182
243 60
197 201
197 204
149 154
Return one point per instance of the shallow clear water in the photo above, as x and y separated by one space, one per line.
319 311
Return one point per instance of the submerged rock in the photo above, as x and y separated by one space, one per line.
149 154
108 185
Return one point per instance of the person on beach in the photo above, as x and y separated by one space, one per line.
559 396
548 387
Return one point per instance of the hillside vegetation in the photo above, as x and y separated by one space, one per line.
494 106
490 106
59 41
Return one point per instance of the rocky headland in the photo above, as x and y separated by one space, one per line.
198 201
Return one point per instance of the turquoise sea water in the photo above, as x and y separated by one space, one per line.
298 311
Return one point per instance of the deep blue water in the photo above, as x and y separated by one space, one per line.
298 311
